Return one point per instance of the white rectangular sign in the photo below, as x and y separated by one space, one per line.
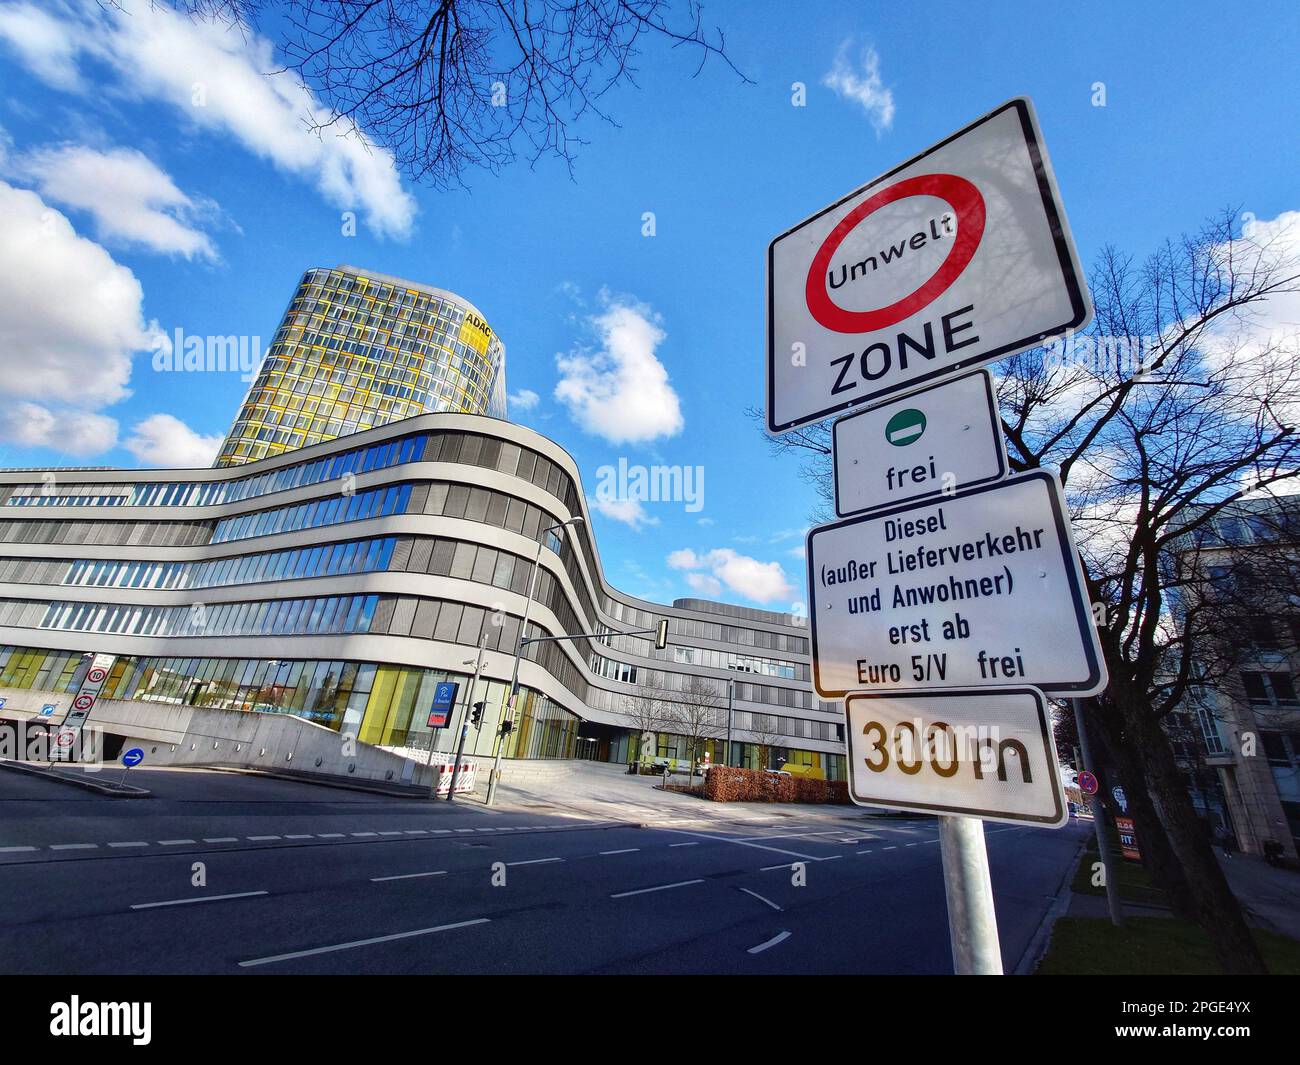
986 754
979 589
930 442
960 256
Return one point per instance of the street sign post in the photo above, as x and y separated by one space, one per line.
83 703
980 753
1087 783
978 589
924 445
130 759
960 256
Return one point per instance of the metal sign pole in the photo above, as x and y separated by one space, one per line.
972 924
1113 904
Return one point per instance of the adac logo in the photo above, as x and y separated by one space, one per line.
968 208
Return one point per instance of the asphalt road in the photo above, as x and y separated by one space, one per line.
297 878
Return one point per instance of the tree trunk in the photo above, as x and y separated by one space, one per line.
1210 903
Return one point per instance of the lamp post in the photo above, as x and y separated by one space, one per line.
519 650
731 692
464 720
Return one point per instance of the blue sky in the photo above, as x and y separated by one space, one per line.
117 179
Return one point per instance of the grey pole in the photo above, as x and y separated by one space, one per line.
464 720
1113 903
972 924
519 651
731 690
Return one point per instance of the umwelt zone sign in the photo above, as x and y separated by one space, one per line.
958 257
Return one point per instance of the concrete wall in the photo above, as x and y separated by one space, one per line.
173 734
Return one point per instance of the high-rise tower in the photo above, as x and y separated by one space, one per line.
357 349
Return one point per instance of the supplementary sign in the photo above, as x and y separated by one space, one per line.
978 589
444 699
931 442
960 256
986 754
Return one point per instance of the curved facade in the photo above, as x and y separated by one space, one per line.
357 349
342 581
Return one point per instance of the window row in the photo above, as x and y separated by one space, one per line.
281 617
357 506
768 667
324 560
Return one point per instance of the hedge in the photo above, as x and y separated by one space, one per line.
729 784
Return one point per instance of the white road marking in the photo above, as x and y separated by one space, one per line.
416 832
300 835
778 938
198 898
625 850
73 846
661 887
12 850
683 844
465 830
365 833
536 861
219 839
393 833
743 843
173 842
890 848
868 851
132 843
260 839
760 898
329 835
361 943
769 868
407 876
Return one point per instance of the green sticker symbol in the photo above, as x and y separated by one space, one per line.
905 427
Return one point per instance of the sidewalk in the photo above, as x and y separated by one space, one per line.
1272 896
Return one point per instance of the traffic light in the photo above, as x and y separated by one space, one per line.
476 714
661 636
507 727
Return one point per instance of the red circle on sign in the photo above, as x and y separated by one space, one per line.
96 675
84 702
967 205
1087 783
64 739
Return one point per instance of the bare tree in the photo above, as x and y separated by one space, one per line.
1172 408
699 715
649 711
763 728
452 85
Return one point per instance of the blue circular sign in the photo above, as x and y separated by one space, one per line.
133 757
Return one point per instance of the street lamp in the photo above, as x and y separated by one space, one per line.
519 650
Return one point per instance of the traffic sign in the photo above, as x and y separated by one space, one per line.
978 589
960 256
924 445
133 757
48 709
65 738
978 753
444 699
1087 783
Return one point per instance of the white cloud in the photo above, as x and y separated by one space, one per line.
524 399
762 582
161 440
130 198
73 432
70 316
704 521
222 78
620 392
629 511
862 85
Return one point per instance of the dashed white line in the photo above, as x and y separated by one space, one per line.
393 833
361 943
407 876
260 839
13 850
536 861
130 843
329 835
73 846
173 842
683 844
760 898
778 938
364 833
416 832
660 887
198 898
625 850
299 835
218 839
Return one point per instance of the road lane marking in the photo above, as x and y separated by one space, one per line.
625 850
536 861
361 943
867 851
300 835
364 833
407 876
73 846
199 898
220 839
329 835
416 832
744 843
760 898
684 844
779 938
132 843
661 887
890 848
466 830
173 842
393 833
260 839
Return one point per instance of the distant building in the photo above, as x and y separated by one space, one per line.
1239 738
356 349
